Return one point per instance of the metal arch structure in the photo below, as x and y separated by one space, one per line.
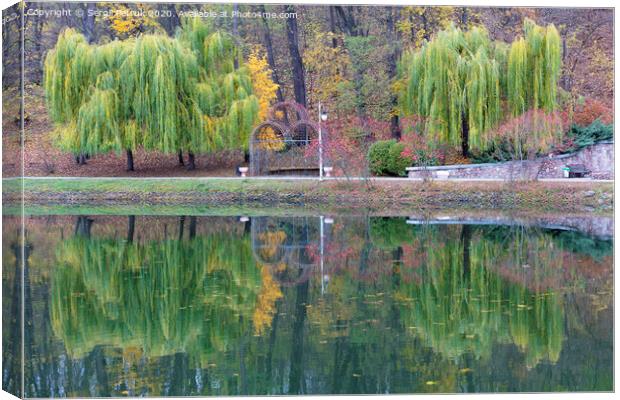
269 135
288 112
304 131
293 252
287 143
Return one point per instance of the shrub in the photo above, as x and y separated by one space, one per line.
579 137
384 157
345 139
421 152
420 148
526 136
591 110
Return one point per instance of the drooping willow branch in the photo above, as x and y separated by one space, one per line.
460 80
191 92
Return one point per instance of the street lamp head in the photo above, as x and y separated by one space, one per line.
323 115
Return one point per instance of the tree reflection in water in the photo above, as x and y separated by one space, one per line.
230 309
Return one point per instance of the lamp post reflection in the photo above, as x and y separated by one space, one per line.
324 276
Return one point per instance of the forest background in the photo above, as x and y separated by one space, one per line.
344 56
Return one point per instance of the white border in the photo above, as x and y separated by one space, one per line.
488 3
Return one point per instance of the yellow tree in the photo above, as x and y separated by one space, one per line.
327 63
266 302
465 17
418 24
130 20
265 90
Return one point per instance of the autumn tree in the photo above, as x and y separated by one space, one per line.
326 65
459 80
587 50
419 24
154 92
297 65
265 90
165 310
130 20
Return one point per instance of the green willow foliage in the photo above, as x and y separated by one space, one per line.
534 65
225 89
439 301
163 297
466 306
155 92
459 81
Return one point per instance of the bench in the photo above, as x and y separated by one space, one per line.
577 170
294 171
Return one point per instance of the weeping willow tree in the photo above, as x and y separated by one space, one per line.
162 297
188 93
467 304
534 66
225 93
460 80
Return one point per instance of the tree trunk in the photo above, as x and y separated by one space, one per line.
349 27
170 23
181 226
270 55
465 134
395 131
191 163
397 264
463 17
427 34
347 16
83 226
332 26
235 29
38 27
131 227
292 36
296 377
129 160
466 243
88 22
181 158
565 78
192 227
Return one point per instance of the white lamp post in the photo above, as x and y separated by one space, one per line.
322 117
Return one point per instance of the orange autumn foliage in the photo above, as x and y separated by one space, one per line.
590 111
266 302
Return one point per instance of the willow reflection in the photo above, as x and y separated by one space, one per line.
284 305
195 296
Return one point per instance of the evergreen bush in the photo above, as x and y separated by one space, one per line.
385 158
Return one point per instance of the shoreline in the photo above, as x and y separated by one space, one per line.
335 194
595 225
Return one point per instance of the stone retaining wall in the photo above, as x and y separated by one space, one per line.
598 158
599 226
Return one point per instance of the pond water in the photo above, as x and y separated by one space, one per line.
180 306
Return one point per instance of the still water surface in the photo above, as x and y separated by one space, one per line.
179 306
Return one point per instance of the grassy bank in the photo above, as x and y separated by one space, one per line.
374 194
